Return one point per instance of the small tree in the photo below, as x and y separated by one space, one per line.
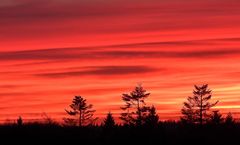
109 121
48 120
70 122
216 117
152 118
229 119
80 108
135 107
19 121
188 114
195 109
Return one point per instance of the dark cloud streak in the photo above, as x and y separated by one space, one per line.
100 71
80 54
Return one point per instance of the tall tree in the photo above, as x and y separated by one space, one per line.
152 119
80 108
135 106
109 121
216 117
196 108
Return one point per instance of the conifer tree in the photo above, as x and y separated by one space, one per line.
229 119
216 117
109 121
80 108
135 106
196 108
152 118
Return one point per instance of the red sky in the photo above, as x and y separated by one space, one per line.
52 50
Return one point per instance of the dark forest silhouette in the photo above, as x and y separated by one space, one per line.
199 124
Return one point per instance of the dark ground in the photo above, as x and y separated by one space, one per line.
163 134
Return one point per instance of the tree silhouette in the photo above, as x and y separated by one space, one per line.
70 122
135 106
152 119
229 119
47 119
19 121
195 109
216 117
80 108
109 121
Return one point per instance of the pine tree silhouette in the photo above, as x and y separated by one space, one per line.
229 120
80 108
195 109
109 121
135 106
216 117
152 118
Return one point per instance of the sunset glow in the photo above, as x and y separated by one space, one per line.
52 50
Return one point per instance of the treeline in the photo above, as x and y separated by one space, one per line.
136 112
198 125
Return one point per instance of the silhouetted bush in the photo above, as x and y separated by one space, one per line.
19 121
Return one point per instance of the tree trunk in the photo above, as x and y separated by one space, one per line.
201 110
139 114
80 118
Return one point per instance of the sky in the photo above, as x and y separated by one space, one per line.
52 50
